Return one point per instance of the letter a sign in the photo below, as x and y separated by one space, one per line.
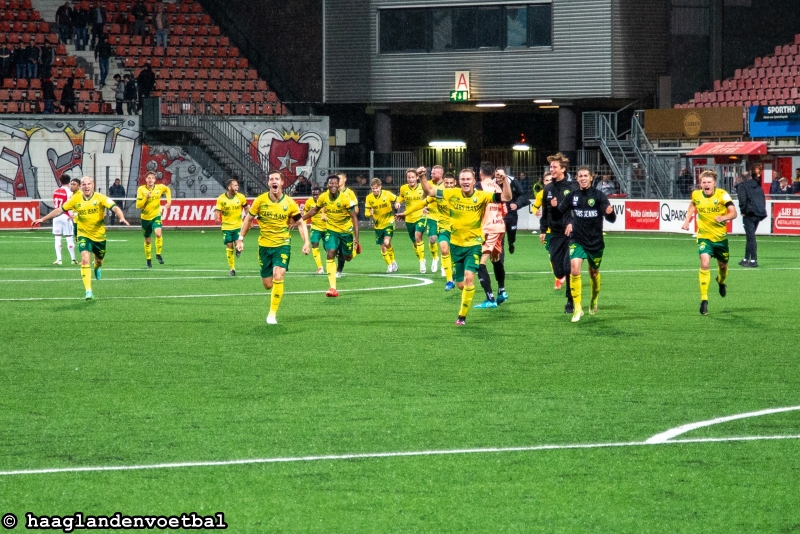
462 80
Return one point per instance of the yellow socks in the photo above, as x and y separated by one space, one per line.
317 257
275 298
447 264
330 268
466 300
722 275
386 257
390 250
419 249
705 279
148 250
159 245
86 276
575 287
434 248
231 258
595 283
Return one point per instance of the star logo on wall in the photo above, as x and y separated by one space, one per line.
287 161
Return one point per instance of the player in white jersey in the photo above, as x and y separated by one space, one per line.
62 225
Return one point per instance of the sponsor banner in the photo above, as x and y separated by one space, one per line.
198 212
18 214
672 215
786 218
693 123
775 121
642 215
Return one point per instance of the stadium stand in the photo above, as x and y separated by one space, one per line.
771 80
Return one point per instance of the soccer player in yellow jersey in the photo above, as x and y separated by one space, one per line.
275 213
318 225
148 199
89 210
228 213
341 234
379 205
348 193
467 207
432 219
415 221
713 208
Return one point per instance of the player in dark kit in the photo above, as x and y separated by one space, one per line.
556 221
589 207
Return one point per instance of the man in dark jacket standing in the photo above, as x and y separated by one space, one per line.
520 201
753 207
117 194
146 82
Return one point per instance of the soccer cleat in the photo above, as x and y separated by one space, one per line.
338 274
577 314
449 286
422 268
486 304
271 319
744 263
97 274
149 264
160 259
321 270
389 269
57 262
558 284
233 272
332 293
461 321
723 290
502 297
434 265
753 263
89 295
394 266
511 248
74 262
238 253
703 307
593 308
569 307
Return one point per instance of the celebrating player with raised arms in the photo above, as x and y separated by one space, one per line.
275 213
713 208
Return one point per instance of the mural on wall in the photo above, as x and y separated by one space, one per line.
176 168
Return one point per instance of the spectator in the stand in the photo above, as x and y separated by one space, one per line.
117 194
5 61
46 62
523 182
130 93
81 18
102 53
685 183
119 93
161 26
68 97
139 13
303 187
146 82
18 61
796 183
33 56
64 22
98 20
775 186
606 186
361 181
48 95
783 187
757 174
388 182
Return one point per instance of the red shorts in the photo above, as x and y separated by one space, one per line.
492 243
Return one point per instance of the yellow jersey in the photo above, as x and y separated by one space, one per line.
317 221
708 208
466 215
410 195
151 208
89 214
231 210
338 211
380 208
273 219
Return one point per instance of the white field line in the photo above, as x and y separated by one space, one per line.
663 437
446 452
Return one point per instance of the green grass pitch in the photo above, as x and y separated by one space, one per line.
176 364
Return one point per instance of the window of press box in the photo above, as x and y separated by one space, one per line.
442 29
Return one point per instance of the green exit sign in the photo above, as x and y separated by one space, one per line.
459 96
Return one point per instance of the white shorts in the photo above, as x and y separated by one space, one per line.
62 225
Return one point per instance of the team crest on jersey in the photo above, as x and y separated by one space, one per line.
338 204
285 207
591 202
716 201
566 192
474 200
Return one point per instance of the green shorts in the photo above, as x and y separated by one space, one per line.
383 233
98 248
269 257
444 236
594 258
149 226
464 259
316 236
415 227
230 236
433 227
339 242
715 249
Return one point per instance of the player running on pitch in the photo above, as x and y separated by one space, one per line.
318 226
379 205
62 225
228 213
148 199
